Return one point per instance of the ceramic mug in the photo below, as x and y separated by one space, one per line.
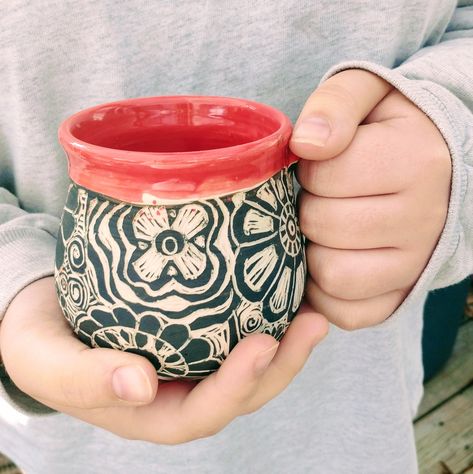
179 236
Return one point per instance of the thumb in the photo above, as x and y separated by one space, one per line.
97 378
46 361
330 117
64 372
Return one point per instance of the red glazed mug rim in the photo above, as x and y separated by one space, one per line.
143 176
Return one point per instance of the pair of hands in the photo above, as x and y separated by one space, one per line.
375 176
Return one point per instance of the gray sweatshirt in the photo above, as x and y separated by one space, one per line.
350 409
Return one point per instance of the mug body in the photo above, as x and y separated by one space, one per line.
179 236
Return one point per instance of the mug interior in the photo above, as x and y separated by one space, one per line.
168 148
173 127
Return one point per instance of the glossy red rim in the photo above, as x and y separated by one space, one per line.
145 177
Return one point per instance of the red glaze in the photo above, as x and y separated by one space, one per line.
175 147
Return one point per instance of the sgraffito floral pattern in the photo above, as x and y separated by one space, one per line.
181 284
178 246
269 265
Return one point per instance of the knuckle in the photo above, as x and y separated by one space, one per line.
335 92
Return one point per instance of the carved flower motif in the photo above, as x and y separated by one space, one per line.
171 247
270 264
173 349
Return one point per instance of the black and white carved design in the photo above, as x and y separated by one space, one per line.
181 284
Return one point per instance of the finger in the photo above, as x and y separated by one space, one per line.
362 274
353 314
185 411
356 223
331 115
49 363
394 105
374 163
223 396
306 330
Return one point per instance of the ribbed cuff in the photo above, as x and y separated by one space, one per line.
427 96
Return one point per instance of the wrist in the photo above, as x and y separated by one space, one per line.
16 305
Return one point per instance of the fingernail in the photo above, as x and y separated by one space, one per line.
130 383
264 359
313 130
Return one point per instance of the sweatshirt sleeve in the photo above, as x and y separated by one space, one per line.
439 80
27 248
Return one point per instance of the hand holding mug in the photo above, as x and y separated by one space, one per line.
376 178
120 392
